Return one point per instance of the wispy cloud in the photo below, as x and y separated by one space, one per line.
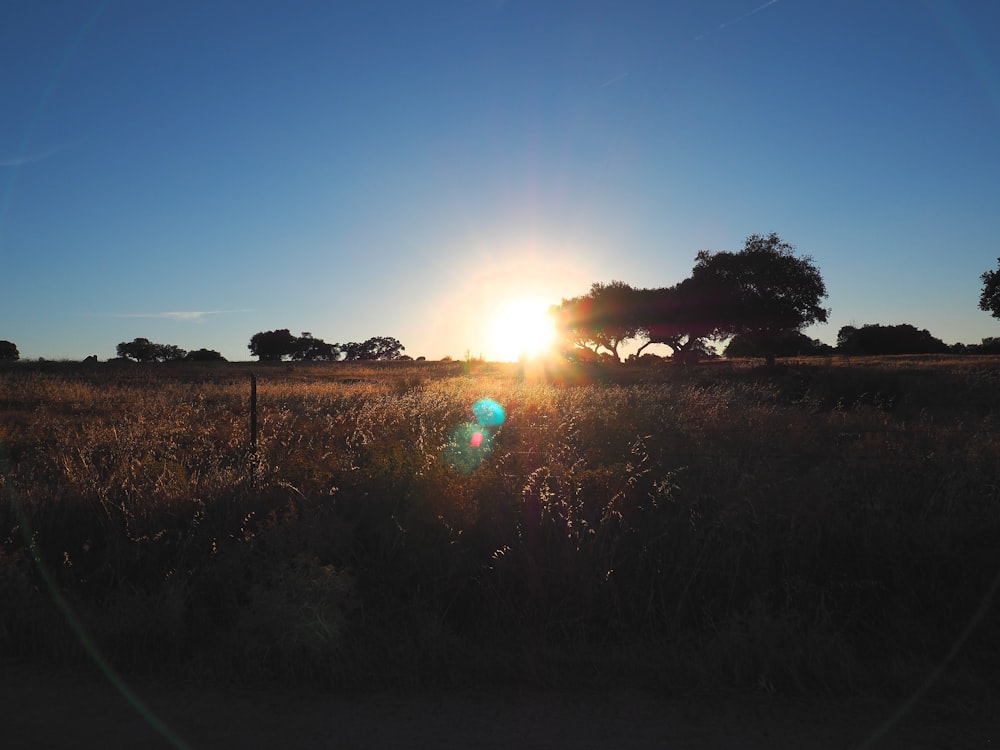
745 16
18 161
196 316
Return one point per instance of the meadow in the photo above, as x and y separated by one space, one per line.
824 527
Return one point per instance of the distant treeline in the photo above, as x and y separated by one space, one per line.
758 299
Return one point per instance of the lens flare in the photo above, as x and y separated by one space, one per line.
471 443
468 446
488 412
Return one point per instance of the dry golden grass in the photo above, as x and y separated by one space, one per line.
824 526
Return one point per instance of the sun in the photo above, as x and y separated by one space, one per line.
521 327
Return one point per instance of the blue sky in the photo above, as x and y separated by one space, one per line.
196 172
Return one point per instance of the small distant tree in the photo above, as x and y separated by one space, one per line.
352 351
170 353
308 347
9 352
139 349
989 345
375 348
791 344
874 339
844 336
204 355
144 350
384 347
989 299
273 346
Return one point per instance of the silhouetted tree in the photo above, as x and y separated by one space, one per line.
9 352
844 336
601 319
989 300
170 353
308 347
375 348
204 355
273 346
989 345
762 292
384 347
144 350
140 349
352 350
673 316
789 344
874 339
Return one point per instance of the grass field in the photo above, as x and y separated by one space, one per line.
829 526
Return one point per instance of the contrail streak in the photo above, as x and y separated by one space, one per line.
746 15
613 81
189 315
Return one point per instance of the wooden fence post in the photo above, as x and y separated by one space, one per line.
253 412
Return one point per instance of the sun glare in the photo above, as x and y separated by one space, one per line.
521 328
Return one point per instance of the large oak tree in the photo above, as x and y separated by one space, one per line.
674 316
763 292
601 319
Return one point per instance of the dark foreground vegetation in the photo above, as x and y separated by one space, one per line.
818 528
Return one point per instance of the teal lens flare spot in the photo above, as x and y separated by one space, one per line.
488 412
469 444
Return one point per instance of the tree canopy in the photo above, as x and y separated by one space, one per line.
673 316
204 355
375 348
276 345
875 339
762 292
308 347
601 319
9 352
144 350
272 346
989 299
989 345
788 344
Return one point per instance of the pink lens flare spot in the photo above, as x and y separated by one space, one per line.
476 439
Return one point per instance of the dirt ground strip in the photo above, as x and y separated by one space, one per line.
47 709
